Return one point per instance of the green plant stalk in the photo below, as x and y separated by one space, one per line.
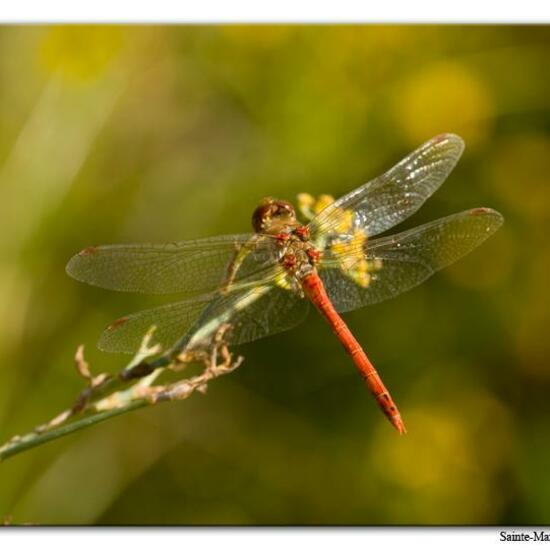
34 439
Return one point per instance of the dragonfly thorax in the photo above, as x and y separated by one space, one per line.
296 253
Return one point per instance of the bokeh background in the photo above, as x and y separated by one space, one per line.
116 134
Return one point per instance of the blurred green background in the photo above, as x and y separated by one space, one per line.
128 134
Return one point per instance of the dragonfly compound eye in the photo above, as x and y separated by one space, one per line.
273 215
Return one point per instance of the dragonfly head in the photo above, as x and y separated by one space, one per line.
273 216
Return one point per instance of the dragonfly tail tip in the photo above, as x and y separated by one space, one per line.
399 426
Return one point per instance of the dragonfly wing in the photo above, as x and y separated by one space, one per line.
394 196
190 267
251 313
171 321
406 259
256 313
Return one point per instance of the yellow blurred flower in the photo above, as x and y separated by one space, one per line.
322 202
446 97
450 462
79 52
351 256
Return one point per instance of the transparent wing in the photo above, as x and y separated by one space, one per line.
392 197
257 313
400 262
252 314
191 267
172 321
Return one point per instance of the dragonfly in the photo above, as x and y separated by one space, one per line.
261 283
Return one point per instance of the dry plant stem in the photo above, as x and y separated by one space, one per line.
108 396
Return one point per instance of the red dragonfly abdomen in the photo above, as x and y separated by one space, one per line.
315 291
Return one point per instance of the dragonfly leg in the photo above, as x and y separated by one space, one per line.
241 252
